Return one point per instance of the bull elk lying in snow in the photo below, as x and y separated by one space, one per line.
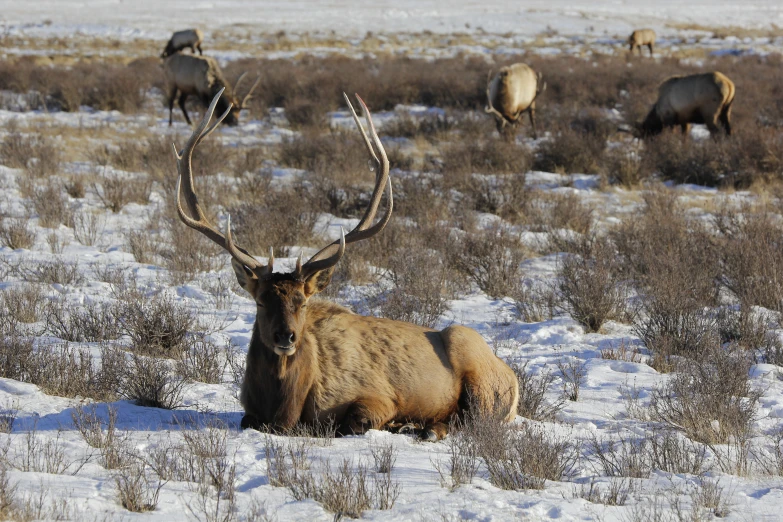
188 38
311 360
201 76
640 38
682 100
511 93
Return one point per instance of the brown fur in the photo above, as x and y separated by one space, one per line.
200 76
311 361
640 38
511 93
697 98
362 372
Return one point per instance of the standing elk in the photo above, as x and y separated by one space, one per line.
640 38
511 93
201 76
310 360
188 38
683 100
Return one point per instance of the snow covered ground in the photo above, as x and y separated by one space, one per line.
69 479
131 18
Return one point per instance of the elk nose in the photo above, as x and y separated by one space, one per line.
284 337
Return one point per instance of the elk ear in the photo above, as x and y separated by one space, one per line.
245 277
318 282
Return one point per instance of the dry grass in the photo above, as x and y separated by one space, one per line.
347 490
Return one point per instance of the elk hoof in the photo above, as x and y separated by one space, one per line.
408 429
429 436
250 421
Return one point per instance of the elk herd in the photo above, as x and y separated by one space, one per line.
310 360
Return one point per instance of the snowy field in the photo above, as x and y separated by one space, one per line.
71 453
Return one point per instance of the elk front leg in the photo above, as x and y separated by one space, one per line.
532 115
181 103
172 95
366 414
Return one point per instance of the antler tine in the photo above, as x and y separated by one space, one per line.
250 92
489 109
363 230
185 183
239 81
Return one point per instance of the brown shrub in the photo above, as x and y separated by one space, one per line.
51 205
156 325
589 285
571 151
420 287
90 323
490 258
115 191
286 218
752 257
489 156
151 382
710 399
532 394
338 155
15 232
187 253
751 154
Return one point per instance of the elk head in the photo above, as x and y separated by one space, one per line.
281 298
233 104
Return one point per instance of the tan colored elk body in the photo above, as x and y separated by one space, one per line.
311 361
200 76
683 100
640 38
188 38
511 93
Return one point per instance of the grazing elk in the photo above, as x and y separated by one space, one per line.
310 360
640 38
682 100
511 93
201 76
188 38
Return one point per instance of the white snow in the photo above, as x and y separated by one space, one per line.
601 410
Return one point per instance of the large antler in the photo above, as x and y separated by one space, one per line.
197 220
489 109
250 92
331 254
326 257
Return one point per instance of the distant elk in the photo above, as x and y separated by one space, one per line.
188 38
312 361
683 100
640 38
200 76
511 93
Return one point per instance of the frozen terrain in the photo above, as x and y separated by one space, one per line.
58 475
